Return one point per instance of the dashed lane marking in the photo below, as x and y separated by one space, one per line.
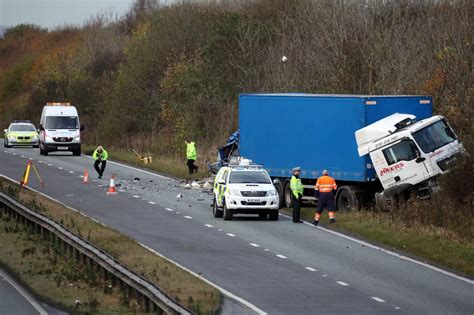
342 283
152 203
254 245
208 225
22 156
50 164
281 256
188 217
169 209
310 269
71 172
60 168
377 299
230 234
135 196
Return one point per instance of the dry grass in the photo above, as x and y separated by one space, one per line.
181 285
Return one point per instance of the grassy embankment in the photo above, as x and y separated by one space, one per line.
433 245
61 281
174 167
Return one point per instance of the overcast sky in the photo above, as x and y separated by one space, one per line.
52 13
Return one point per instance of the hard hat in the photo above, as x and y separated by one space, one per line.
296 169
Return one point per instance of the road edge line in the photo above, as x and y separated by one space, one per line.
222 290
23 293
389 252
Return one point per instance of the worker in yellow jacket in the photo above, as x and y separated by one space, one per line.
191 156
297 193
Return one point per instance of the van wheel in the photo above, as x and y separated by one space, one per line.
228 215
263 215
215 210
274 215
279 188
288 195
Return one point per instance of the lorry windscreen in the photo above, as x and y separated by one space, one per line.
434 136
249 178
61 122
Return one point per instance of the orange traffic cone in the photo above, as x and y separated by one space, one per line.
112 190
86 176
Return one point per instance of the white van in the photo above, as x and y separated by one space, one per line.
59 129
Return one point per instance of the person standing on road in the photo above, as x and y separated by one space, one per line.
100 156
191 155
297 193
324 191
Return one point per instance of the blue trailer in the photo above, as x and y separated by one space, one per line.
316 132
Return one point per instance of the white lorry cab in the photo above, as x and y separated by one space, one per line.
408 155
244 188
59 129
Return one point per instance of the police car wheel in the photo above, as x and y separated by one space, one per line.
228 215
216 211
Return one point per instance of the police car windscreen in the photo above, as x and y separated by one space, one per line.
61 122
22 128
249 178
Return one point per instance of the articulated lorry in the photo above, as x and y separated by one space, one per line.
376 147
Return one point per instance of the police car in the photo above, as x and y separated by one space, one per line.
244 188
21 133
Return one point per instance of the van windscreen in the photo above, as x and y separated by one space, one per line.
61 122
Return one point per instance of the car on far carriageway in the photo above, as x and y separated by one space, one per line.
21 133
244 188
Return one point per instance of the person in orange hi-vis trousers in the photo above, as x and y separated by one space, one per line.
324 191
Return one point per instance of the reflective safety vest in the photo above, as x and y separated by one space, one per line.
296 186
191 151
325 184
103 156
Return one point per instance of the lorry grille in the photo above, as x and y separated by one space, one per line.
447 163
23 138
246 203
253 193
62 139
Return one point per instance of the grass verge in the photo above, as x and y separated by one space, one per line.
161 164
181 285
430 244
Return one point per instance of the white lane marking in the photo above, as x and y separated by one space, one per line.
131 167
23 293
325 276
50 164
81 176
71 172
266 249
60 168
254 245
209 226
222 290
22 156
310 269
220 230
168 209
31 159
377 299
342 283
389 252
230 234
152 203
135 196
13 153
281 256
188 217
397 307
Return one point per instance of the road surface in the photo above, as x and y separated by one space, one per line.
16 300
274 267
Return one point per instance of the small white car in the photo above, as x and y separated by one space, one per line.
245 189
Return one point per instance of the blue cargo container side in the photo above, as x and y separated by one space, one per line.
315 132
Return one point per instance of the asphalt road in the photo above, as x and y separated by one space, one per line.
15 300
279 267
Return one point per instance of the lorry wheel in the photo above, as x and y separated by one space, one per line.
274 215
287 195
385 203
279 188
228 215
263 215
346 199
215 210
